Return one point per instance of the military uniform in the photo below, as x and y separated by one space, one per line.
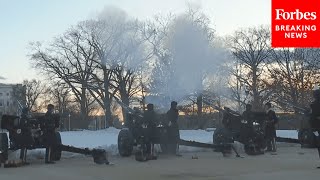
173 128
26 132
270 129
315 117
247 127
49 126
150 121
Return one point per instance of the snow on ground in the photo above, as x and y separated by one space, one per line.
107 139
288 133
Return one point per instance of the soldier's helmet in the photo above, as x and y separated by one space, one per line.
248 106
50 107
268 105
174 104
25 110
316 94
150 107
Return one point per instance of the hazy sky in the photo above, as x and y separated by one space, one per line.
24 21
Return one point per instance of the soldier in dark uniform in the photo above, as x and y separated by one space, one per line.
270 128
150 121
134 122
49 133
247 116
315 116
26 132
173 128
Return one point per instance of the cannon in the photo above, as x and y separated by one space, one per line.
235 128
306 136
135 135
31 136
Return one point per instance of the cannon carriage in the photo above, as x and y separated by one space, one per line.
30 134
235 128
137 135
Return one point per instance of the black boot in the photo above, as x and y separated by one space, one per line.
48 156
274 145
23 156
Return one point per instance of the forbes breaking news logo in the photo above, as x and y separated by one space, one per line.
295 23
295 31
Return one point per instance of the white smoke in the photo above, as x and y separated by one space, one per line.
194 57
120 36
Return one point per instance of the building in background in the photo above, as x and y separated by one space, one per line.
12 97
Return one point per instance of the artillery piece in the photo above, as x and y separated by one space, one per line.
32 137
135 135
251 134
235 128
306 135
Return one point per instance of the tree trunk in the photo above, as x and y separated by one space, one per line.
257 104
199 104
125 100
83 105
107 100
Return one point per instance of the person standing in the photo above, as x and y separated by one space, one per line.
270 128
247 129
49 133
150 122
26 132
173 128
315 117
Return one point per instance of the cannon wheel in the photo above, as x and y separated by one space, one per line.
125 143
307 138
56 152
4 146
222 136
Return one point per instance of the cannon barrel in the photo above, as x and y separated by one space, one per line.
99 155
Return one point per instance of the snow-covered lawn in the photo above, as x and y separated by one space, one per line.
107 139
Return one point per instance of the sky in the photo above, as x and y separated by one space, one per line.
25 21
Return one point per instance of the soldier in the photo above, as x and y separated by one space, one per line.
25 130
173 128
270 129
247 116
49 133
150 121
315 116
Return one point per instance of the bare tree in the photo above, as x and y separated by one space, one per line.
115 40
34 90
251 47
61 96
239 92
294 73
70 59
